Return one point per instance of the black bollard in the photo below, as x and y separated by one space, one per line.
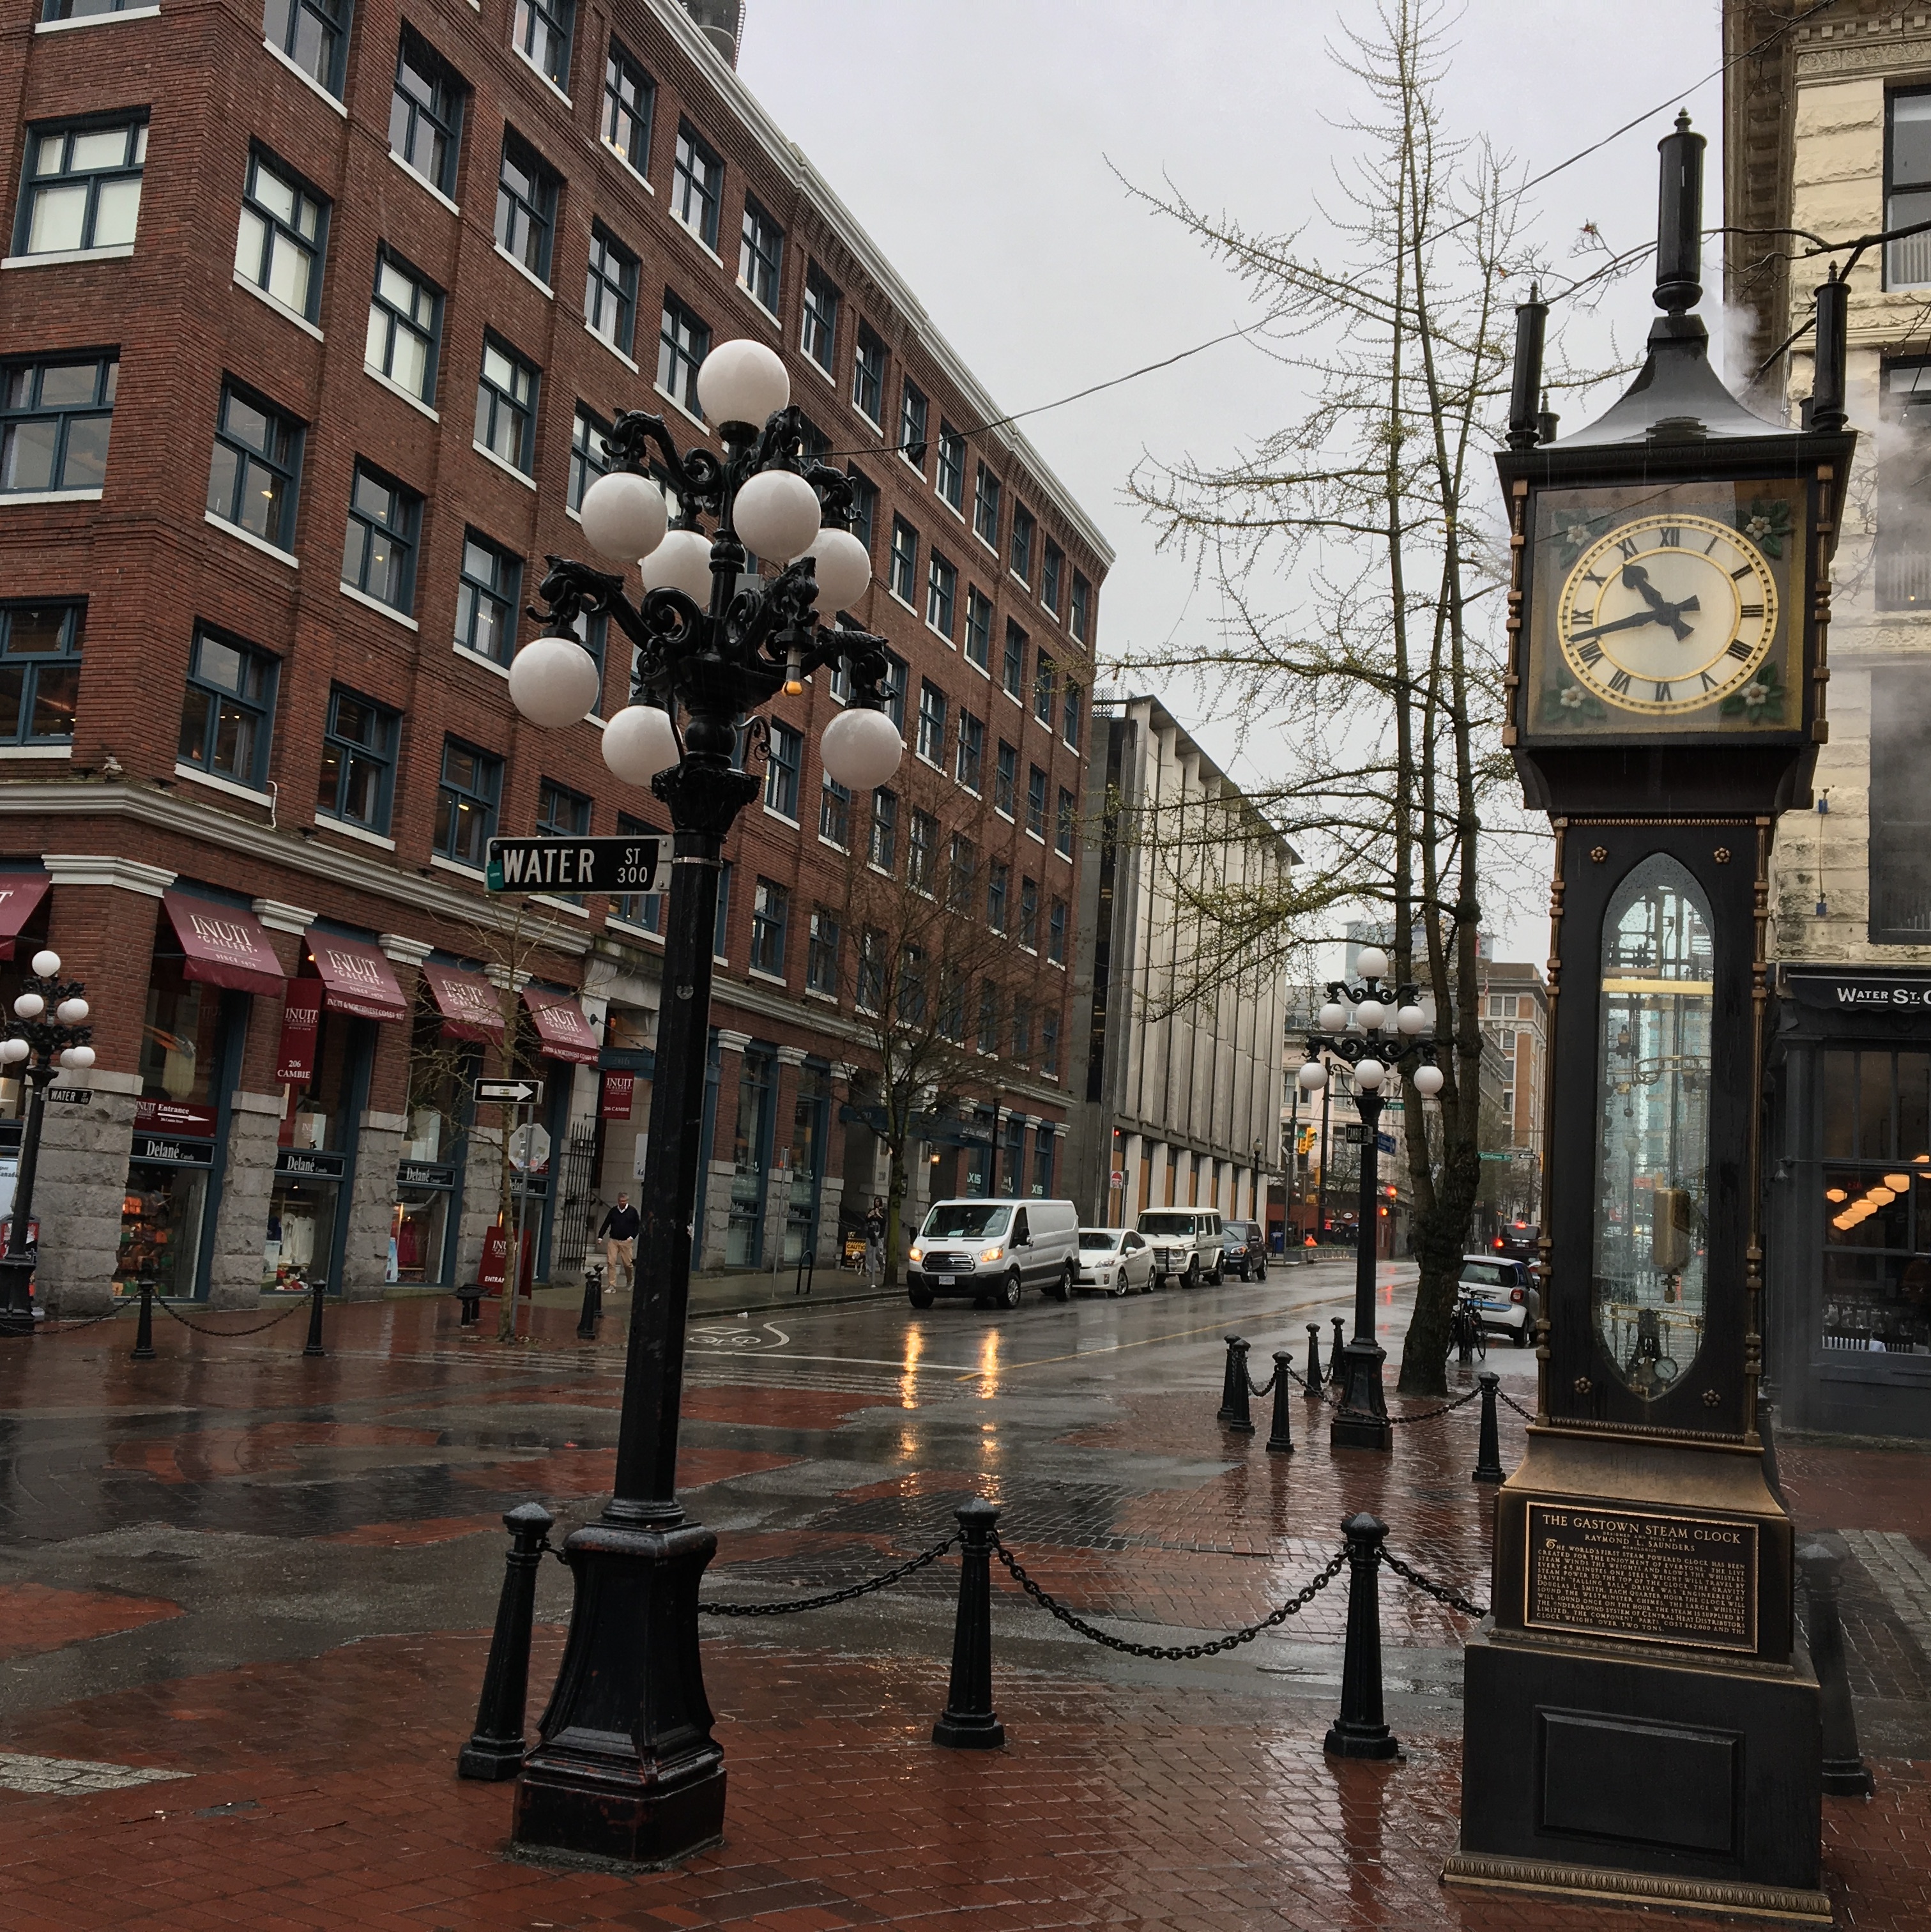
1488 1450
143 1350
1242 1420
1281 1435
1313 1389
495 1747
1845 1774
593 1304
968 1723
1334 1354
1359 1731
1225 1413
313 1345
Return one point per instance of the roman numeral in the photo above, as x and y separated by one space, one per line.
1663 693
1589 577
1709 683
1629 546
1711 545
1748 570
1620 682
1670 537
1590 653
1750 609
1736 648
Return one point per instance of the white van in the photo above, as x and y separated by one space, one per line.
1185 1243
990 1251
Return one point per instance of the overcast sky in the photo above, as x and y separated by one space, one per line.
981 143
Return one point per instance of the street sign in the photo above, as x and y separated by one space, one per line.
509 1093
70 1097
1120 1177
529 1145
574 865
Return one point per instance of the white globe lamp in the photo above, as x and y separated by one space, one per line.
1410 1020
71 1013
12 1051
681 561
776 513
1371 963
30 1006
860 749
78 1059
1428 1082
1371 1014
1369 1074
1312 1077
843 567
1334 1017
639 742
625 515
554 681
743 382
45 964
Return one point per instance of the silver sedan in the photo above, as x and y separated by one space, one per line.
1114 1261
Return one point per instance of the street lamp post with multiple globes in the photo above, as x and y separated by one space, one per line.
48 1032
1374 1035
626 1769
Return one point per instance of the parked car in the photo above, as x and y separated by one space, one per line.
991 1252
1500 1292
1115 1261
1243 1249
1185 1243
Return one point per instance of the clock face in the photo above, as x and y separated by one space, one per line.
1667 613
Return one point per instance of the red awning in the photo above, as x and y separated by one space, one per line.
19 893
468 1005
224 946
356 977
565 1033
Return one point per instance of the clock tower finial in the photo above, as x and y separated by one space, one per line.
1679 226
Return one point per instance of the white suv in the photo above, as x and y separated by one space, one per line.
1185 1243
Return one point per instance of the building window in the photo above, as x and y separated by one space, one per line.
834 813
998 894
426 113
486 598
884 843
942 584
770 913
1012 672
630 99
83 188
1063 829
1029 914
587 460
904 560
40 672
1056 933
978 628
781 767
526 207
1049 577
1082 607
1022 1028
971 763
379 550
1908 188
1903 548
720 930
962 874
988 1017
540 33
506 405
1044 1142
1069 714
610 290
231 701
864 507
931 723
466 804
951 1004
697 188
1043 690
560 812
682 343
278 248
950 480
358 761
251 481
1021 553
1036 802
54 418
1900 811
313 34
821 956
405 328
912 413
870 989
1006 783
898 683
869 376
819 337
921 853
985 508
761 255
642 909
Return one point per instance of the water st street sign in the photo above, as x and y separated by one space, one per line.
574 865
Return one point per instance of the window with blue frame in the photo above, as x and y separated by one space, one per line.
1069 714
988 1016
1044 1142
1045 690
782 766
942 584
770 914
821 962
640 909
1049 577
1081 614
426 113
506 405
905 568
1012 671
683 341
587 460
39 671
257 460
834 813
985 496
630 101
970 768
358 761
466 803
760 254
561 813
883 849
697 187
950 482
869 376
278 247
1056 933
913 415
405 328
379 546
486 593
931 723
898 678
312 34
1036 802
818 336
1064 825
226 720
1019 552
610 290
541 32
56 417
526 206
1005 782
1029 914
978 628
998 892
864 508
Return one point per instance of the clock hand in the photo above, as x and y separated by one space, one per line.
1620 624
1634 577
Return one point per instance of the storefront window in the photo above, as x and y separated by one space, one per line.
302 1231
160 1227
749 1152
416 1231
807 1137
318 1129
1876 1176
177 1037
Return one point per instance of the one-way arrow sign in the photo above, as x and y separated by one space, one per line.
509 1093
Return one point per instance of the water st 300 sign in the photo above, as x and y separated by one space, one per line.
617 866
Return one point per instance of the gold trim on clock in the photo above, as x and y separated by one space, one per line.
1668 613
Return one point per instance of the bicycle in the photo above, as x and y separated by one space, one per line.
1466 1336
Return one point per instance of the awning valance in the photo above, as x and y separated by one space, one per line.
562 1026
19 893
469 1004
223 945
356 978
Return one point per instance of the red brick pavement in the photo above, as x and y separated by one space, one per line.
34 1619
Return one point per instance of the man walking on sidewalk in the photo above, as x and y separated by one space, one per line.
875 1241
619 1236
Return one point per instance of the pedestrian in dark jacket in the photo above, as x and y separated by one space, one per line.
619 1236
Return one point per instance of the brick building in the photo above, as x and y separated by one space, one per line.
331 288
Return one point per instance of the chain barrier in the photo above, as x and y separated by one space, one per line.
1266 1387
1441 1593
1170 1653
844 1596
1325 1392
1528 1415
1429 1414
52 1327
294 1308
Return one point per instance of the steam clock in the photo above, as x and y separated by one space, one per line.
1640 1720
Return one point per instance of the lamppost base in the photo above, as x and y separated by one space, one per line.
16 1304
627 1769
1361 1417
1368 1741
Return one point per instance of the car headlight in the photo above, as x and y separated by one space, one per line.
993 1255
915 1254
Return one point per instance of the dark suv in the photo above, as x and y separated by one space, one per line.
1243 1247
1519 1241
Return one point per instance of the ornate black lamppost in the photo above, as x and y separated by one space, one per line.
46 1032
1359 1024
626 1769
